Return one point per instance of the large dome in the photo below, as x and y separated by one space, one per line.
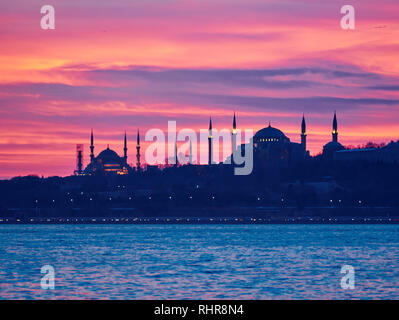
108 156
270 132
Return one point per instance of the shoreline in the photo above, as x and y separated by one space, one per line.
199 220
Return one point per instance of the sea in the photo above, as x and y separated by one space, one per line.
199 261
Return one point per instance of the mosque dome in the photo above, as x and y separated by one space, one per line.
108 156
270 134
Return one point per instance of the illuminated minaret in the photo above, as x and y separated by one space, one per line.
234 135
335 128
210 147
91 147
138 151
303 133
125 150
190 154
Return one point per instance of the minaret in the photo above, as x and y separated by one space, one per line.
176 160
125 150
138 151
335 128
190 154
91 147
303 133
234 134
210 147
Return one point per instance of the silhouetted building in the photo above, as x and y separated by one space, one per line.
108 161
273 147
333 145
387 154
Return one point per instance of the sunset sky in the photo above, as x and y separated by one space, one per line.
128 64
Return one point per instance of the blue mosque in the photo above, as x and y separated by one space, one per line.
108 161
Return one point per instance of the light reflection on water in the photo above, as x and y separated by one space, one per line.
199 261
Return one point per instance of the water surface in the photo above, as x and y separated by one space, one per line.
199 261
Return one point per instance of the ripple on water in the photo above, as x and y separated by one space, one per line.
199 261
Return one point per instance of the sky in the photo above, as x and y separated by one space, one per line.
135 64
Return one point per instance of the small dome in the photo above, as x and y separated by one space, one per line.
333 146
108 156
270 132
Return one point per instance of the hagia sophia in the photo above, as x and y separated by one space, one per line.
270 145
273 147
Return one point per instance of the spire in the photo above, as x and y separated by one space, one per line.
303 133
138 165
270 124
303 127
335 128
125 149
335 124
234 136
210 147
190 154
176 160
91 147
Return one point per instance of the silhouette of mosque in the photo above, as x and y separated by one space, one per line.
270 145
108 161
273 147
